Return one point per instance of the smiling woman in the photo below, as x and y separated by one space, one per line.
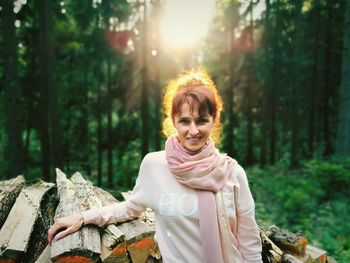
196 79
203 207
185 22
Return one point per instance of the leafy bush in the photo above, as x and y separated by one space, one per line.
312 200
334 176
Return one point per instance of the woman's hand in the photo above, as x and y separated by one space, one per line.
65 226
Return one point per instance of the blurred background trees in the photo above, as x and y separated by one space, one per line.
82 81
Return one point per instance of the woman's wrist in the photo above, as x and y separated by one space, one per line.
90 217
81 219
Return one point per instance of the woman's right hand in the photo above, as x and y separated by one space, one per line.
65 226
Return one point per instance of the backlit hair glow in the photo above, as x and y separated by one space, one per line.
196 88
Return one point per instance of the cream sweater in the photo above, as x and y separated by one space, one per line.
176 210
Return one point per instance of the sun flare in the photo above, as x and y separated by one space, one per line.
185 21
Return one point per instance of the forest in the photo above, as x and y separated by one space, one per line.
82 84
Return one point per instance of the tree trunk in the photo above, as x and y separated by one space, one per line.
274 85
13 138
230 92
343 135
109 125
48 82
265 96
84 138
43 127
158 88
250 152
327 83
314 85
273 133
144 88
99 136
294 161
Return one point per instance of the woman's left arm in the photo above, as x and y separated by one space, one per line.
247 229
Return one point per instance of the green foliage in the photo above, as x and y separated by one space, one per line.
312 199
306 200
333 176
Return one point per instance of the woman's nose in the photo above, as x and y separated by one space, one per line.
193 129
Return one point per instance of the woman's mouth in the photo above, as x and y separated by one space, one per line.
194 139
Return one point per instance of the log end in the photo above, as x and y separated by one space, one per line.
117 254
141 250
7 260
74 258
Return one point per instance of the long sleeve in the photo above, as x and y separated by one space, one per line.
127 210
110 214
247 230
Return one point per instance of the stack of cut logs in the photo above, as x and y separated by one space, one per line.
27 211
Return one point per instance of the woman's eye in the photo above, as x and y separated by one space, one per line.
184 121
202 121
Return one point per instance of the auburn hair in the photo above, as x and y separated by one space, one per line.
198 90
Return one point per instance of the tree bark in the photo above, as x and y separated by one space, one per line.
109 125
99 136
250 61
144 88
230 89
343 135
315 83
275 75
158 88
84 121
15 235
48 82
13 138
294 155
9 190
327 82
86 242
265 96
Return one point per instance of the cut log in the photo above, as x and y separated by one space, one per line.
331 260
270 252
24 217
156 256
83 245
139 236
9 190
314 255
287 258
85 193
113 247
38 239
148 217
45 256
289 242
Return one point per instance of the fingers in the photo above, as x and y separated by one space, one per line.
68 225
64 233
53 230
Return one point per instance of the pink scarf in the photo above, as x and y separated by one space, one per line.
207 171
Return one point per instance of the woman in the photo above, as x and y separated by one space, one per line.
201 198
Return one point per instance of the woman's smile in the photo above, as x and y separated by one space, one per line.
193 130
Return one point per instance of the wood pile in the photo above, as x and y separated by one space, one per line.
26 213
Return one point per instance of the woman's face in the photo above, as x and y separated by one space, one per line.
193 130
